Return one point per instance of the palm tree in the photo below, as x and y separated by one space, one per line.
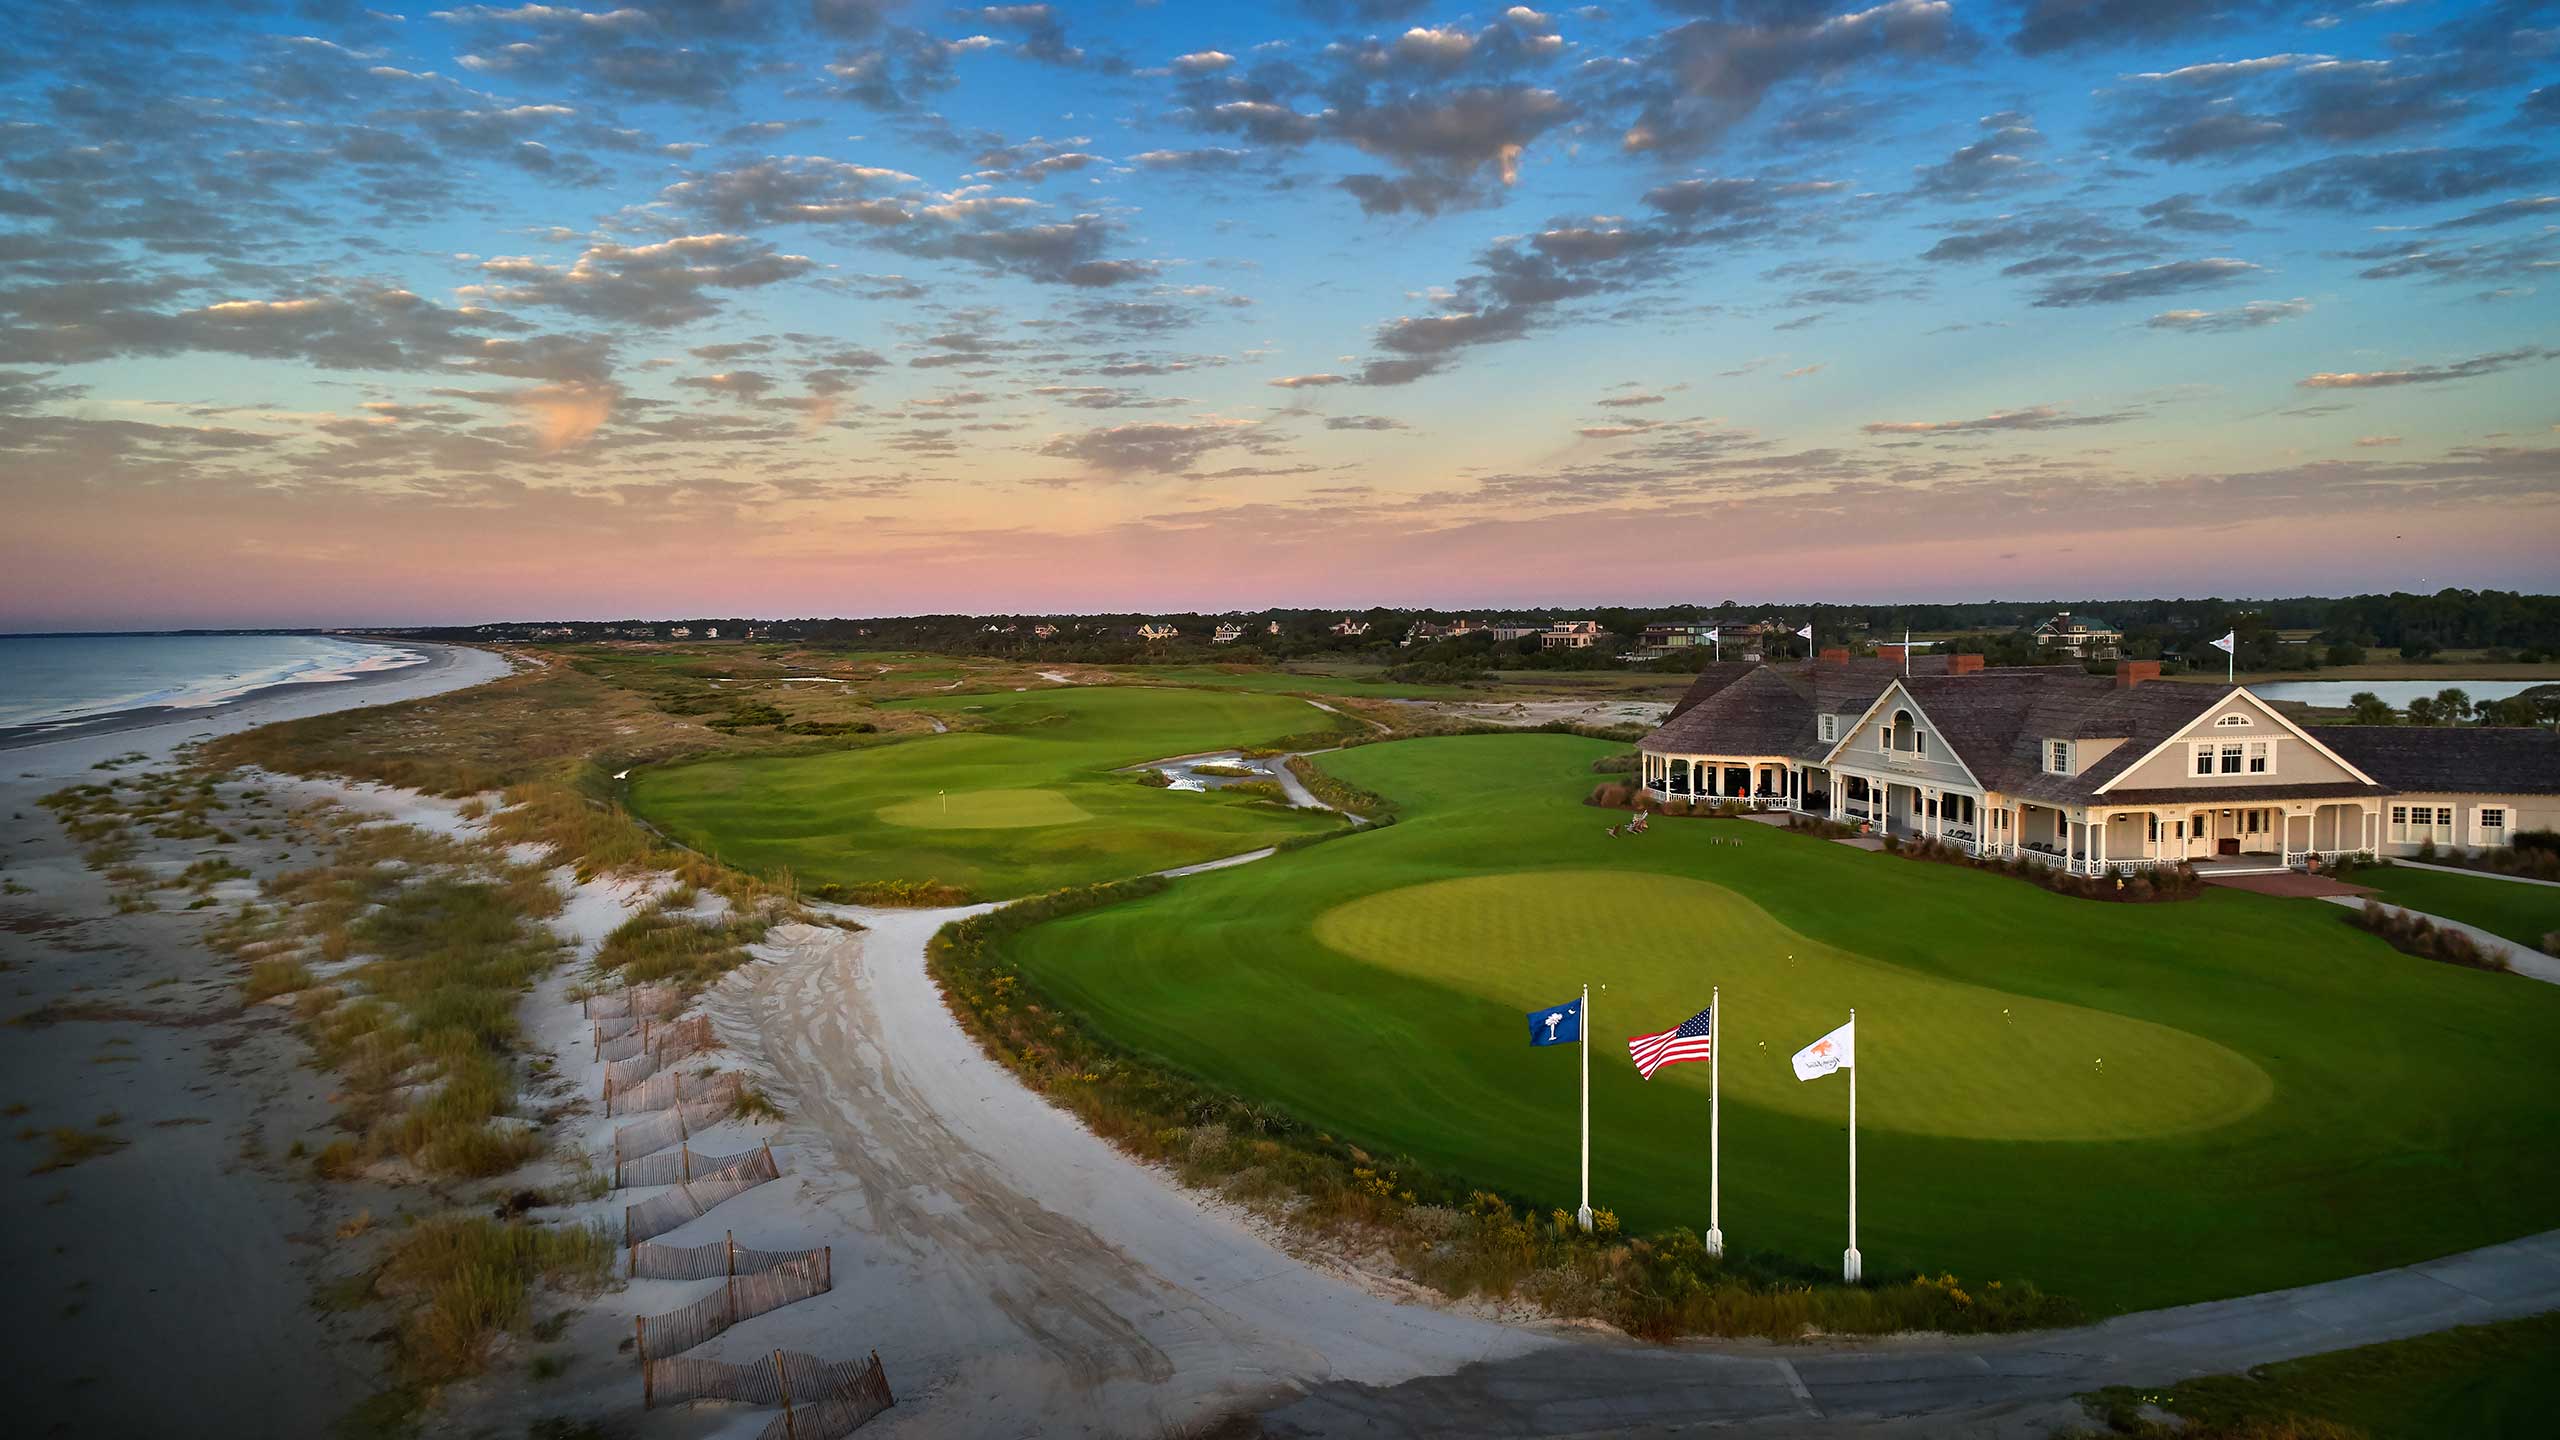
2453 705
2371 709
2422 711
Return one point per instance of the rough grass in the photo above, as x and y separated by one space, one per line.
461 1282
2377 1147
2475 1382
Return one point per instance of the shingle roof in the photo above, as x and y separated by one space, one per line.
2475 759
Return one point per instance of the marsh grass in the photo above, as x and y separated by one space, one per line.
66 1147
654 946
461 1282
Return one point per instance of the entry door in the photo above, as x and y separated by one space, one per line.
2199 835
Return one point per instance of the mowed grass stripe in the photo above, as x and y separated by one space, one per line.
1962 1059
1033 800
2411 1110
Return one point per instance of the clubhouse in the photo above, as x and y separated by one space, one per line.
2093 773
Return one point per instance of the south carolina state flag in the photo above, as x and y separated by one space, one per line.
1557 1024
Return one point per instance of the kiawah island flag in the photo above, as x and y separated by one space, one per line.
1557 1024
1835 1051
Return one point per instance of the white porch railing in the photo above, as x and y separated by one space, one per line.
1748 802
2304 859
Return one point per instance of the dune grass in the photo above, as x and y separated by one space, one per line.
2297 1101
1019 798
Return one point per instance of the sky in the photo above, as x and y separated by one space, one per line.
313 313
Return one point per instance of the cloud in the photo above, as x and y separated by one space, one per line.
1362 422
1993 163
2034 417
2477 365
1301 382
564 417
2045 26
2396 178
1701 79
2139 284
653 286
1622 402
1164 447
2187 212
2255 314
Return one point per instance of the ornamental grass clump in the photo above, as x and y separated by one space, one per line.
2412 934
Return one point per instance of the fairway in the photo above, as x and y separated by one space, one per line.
1965 1060
1025 799
2133 1105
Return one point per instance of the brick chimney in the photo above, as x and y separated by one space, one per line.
1961 663
1835 655
1893 653
2130 673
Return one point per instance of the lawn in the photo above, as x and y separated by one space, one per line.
2522 913
2130 1105
2476 1382
1025 801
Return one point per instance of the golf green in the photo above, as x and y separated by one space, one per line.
2183 1101
1964 1060
1025 794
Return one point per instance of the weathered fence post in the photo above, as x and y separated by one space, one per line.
790 1426
648 1391
733 1276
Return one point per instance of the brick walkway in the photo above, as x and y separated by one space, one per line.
2292 884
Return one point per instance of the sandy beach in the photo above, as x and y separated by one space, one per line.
166 1287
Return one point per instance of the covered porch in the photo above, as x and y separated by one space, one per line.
2236 839
1760 781
1913 812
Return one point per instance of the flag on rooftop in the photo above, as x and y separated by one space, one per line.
1834 1051
2230 641
1807 631
1694 1039
1557 1024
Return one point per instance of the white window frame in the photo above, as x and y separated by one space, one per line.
1830 728
2204 758
2485 831
2234 757
2262 757
2057 757
2233 721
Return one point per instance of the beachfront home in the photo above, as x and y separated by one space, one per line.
1044 631
2082 637
2090 772
1570 635
1348 627
1156 630
1226 634
1676 635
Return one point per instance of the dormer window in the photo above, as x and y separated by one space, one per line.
2057 757
1830 728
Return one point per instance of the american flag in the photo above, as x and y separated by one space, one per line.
1692 1041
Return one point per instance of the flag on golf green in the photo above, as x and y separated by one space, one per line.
1557 1024
1831 1052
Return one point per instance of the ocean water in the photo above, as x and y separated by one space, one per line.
2396 693
65 679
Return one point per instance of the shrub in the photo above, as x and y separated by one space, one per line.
1615 764
2411 934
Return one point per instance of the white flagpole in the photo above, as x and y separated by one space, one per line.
1850 1264
2231 660
1715 1120
1582 1216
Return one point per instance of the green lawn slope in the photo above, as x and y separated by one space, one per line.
2520 912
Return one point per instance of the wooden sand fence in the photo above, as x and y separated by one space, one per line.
668 1089
672 1126
737 1298
784 1379
678 1204
654 1002
719 1260
680 1166
834 1414
655 1048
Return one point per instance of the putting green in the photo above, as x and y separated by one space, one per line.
986 810
1942 1057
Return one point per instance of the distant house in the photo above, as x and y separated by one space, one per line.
1514 629
1156 630
681 632
1677 635
710 632
2082 637
1348 627
1570 635
1426 631
1226 635
1044 631
1272 628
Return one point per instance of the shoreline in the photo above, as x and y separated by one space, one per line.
355 689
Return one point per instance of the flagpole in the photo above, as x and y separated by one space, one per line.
1582 1217
1715 1120
1850 1264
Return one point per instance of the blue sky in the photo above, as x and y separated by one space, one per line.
319 313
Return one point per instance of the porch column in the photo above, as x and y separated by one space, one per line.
2098 848
2284 837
